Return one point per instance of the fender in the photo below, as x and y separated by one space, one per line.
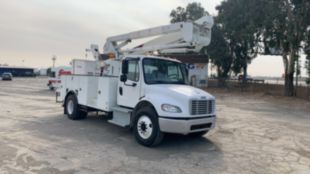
69 93
141 104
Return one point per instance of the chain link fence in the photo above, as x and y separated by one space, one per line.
259 86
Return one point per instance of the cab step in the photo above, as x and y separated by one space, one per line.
121 116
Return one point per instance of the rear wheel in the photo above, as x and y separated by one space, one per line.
146 127
72 109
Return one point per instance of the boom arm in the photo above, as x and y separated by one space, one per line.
180 37
183 37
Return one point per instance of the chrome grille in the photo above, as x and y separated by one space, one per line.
200 107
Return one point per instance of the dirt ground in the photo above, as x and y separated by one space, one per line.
255 133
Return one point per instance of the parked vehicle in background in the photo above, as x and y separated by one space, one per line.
55 75
7 76
248 78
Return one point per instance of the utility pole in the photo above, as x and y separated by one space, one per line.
54 60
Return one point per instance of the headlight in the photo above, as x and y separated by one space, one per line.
170 108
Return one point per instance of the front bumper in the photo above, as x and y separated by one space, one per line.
6 78
186 125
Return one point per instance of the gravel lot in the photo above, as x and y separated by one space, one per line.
254 134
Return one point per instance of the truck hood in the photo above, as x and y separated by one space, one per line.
183 91
178 95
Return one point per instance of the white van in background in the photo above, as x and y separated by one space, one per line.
55 74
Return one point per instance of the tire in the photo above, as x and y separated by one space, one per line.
146 128
72 109
198 134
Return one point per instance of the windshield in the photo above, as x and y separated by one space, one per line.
157 71
7 74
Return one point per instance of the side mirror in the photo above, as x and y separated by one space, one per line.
123 78
125 67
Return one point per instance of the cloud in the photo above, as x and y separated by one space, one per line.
34 30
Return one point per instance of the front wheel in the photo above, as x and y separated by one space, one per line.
146 127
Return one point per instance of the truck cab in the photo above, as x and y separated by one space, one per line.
162 85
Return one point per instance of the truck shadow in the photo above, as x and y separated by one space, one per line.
172 143
177 146
96 130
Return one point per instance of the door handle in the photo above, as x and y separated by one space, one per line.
133 84
120 90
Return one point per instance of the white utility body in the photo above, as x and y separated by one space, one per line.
147 93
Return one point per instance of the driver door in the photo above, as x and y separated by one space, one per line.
129 92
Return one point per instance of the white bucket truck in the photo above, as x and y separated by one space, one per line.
149 94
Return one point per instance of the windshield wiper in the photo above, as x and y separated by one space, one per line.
166 82
158 82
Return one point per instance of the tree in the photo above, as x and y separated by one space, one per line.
280 27
306 48
307 52
241 28
286 23
219 54
192 12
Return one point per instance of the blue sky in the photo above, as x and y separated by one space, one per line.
32 31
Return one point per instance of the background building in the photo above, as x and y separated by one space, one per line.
18 71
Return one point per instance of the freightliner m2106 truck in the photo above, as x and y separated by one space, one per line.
138 89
